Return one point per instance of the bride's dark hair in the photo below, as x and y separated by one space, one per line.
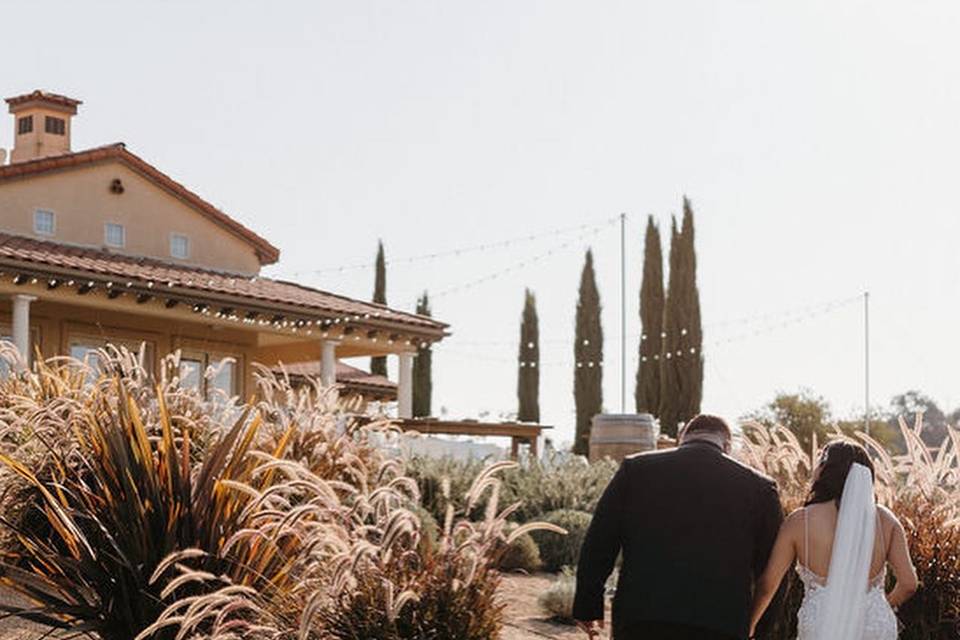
835 462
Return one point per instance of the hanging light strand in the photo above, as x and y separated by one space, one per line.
470 249
526 262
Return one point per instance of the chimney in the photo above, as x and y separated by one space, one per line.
41 125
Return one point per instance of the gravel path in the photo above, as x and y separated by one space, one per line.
524 618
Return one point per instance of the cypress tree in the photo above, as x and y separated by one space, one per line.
378 364
651 321
528 376
422 369
692 349
588 357
670 378
681 357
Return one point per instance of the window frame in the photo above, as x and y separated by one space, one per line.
106 235
24 125
93 342
54 126
206 359
37 213
186 240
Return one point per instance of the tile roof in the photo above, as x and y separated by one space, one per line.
44 96
266 252
259 291
346 374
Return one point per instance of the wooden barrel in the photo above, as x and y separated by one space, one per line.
617 435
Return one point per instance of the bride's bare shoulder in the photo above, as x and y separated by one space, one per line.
888 517
794 521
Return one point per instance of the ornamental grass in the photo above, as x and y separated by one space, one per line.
922 486
134 508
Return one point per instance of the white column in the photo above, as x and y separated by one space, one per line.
21 326
328 362
405 386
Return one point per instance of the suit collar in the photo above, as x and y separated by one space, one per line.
702 444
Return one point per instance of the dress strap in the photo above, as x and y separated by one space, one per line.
806 537
883 539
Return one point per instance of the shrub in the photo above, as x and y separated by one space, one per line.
921 486
557 600
557 550
522 554
560 481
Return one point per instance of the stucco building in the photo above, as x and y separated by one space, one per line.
99 246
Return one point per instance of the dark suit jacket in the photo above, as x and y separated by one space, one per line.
696 529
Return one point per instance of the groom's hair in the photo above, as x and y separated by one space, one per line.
707 424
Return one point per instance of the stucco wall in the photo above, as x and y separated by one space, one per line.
38 143
83 203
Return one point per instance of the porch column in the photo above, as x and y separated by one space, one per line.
21 326
405 386
328 363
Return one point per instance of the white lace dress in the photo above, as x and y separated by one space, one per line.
880 622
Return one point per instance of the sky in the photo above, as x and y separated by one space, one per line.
818 143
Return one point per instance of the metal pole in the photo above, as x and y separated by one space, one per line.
866 360
623 313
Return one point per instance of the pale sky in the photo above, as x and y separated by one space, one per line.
818 141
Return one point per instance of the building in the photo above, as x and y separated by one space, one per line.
99 246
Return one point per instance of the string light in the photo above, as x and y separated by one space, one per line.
521 264
279 323
487 246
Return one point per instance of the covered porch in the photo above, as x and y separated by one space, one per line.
58 300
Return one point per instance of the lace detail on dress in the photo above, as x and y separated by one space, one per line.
880 622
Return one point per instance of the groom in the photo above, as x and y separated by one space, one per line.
696 528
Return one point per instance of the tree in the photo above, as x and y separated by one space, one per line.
588 357
803 413
912 402
423 369
681 357
692 346
670 400
647 393
378 364
528 376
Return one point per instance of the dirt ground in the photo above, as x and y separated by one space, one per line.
524 618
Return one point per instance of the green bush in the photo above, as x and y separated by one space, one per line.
522 554
557 600
560 481
558 551
429 529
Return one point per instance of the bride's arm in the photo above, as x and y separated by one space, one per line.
902 565
781 558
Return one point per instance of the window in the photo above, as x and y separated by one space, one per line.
86 353
114 234
43 222
213 376
25 125
56 126
86 349
224 378
191 373
179 246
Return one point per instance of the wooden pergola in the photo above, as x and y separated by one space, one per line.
519 432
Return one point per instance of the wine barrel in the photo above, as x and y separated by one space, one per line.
617 435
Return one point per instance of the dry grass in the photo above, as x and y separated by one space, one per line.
921 486
138 509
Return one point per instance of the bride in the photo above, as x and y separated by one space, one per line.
842 542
